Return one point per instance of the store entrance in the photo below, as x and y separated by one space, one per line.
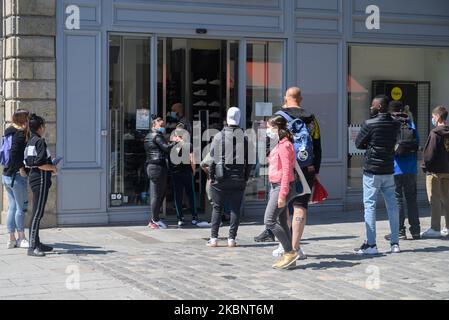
202 76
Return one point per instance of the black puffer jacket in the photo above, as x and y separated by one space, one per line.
17 151
378 137
157 148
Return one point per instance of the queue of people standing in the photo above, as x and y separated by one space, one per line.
26 160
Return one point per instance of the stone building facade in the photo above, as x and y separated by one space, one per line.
29 71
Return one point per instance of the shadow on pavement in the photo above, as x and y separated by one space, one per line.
65 248
336 238
327 265
427 250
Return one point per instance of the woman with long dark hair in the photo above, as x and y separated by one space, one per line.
38 159
281 177
15 178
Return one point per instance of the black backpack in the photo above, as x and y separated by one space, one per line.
229 172
407 141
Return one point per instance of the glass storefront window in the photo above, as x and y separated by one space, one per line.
129 110
264 83
416 76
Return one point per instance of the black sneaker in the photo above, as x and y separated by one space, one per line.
402 236
265 236
416 236
45 248
36 253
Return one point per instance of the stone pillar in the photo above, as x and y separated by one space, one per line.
29 60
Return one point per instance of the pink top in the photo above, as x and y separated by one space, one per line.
281 166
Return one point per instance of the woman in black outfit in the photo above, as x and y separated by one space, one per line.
38 159
158 150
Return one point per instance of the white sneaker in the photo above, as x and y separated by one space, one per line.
366 249
279 251
200 81
301 255
11 244
213 242
445 232
232 243
430 233
203 224
395 249
23 244
200 93
200 104
161 224
181 223
215 82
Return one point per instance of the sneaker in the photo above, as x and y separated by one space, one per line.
445 232
36 253
200 93
279 252
160 224
265 236
153 225
11 244
288 260
200 81
181 223
302 255
395 248
204 224
213 243
195 221
232 243
430 233
200 104
402 236
215 82
367 249
214 104
416 236
23 243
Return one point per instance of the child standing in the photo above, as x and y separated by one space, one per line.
38 159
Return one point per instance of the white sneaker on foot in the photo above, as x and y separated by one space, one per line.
445 232
395 249
302 255
232 243
11 244
430 233
279 252
23 244
160 224
213 242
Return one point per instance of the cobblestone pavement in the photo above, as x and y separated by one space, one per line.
138 263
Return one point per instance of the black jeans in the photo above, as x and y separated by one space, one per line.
406 187
40 183
158 187
234 198
184 181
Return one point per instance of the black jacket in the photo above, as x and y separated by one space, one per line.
37 153
17 151
311 121
378 137
436 151
241 159
157 148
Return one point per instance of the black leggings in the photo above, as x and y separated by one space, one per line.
40 182
158 187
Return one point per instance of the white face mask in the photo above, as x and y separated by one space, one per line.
271 133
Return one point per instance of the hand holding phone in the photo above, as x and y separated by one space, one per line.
57 160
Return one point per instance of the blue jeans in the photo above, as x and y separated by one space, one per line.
372 186
17 202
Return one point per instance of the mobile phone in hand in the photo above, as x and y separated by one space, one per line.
57 160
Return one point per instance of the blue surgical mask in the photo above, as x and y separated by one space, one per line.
434 122
161 130
174 115
271 133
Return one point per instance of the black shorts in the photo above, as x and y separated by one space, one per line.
303 201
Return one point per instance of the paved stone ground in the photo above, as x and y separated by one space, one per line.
138 263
